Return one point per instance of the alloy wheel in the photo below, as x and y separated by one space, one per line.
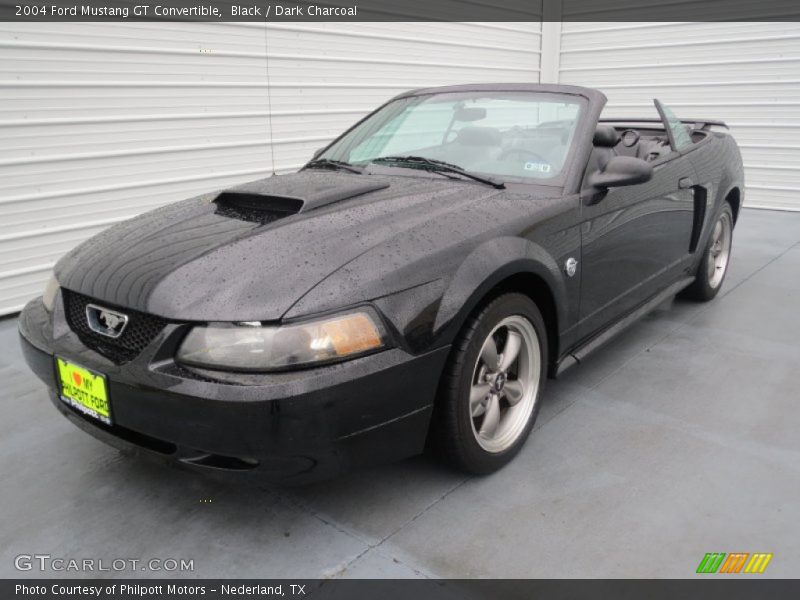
720 250
505 382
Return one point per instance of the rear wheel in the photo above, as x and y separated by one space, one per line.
716 257
492 388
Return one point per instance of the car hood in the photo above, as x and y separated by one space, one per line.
253 251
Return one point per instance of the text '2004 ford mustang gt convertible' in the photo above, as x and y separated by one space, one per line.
415 283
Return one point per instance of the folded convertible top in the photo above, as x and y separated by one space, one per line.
695 123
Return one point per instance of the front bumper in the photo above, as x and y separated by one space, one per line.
288 427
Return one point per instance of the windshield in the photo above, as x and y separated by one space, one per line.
505 134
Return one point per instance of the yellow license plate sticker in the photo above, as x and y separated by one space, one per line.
84 390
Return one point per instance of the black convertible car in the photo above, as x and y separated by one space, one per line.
415 283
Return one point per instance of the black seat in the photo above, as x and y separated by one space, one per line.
607 144
605 140
474 146
605 136
479 136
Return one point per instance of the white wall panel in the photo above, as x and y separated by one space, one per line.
101 121
747 74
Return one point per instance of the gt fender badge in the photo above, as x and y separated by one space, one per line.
570 267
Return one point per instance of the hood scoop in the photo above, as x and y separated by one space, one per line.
268 200
256 208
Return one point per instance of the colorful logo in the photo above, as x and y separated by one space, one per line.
720 562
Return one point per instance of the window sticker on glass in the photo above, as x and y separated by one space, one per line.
538 166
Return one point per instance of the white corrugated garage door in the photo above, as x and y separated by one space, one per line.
101 121
747 74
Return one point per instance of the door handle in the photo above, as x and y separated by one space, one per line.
685 183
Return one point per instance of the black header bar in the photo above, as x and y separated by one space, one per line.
399 10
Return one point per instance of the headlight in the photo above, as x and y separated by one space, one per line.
49 295
253 347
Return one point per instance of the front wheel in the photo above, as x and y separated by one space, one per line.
492 388
714 263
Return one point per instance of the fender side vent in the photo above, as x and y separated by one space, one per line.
256 208
700 202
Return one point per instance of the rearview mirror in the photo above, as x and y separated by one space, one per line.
620 171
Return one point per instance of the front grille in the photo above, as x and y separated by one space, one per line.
141 329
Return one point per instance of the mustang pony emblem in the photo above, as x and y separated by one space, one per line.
111 320
105 321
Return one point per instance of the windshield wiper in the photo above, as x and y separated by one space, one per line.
327 163
438 166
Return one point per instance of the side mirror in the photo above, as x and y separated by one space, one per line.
317 152
620 171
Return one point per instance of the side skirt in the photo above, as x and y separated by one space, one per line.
579 354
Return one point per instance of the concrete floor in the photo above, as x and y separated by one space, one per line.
679 438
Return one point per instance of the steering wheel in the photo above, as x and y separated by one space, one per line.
515 150
630 137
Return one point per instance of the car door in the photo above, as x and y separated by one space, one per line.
635 240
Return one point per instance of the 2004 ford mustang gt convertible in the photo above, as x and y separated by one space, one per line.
416 282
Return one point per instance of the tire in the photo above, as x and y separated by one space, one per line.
714 263
484 435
